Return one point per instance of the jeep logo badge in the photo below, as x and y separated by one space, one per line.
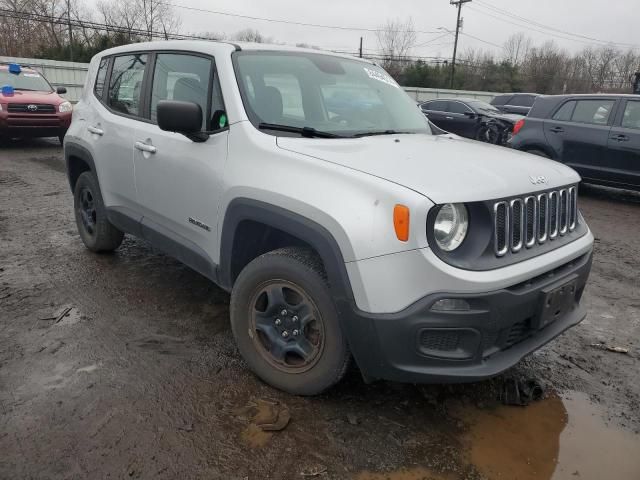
541 180
32 108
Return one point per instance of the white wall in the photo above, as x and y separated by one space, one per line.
71 75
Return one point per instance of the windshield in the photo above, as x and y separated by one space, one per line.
25 81
483 107
325 93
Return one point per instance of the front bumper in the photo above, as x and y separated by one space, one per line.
34 125
419 345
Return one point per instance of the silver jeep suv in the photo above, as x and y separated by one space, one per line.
311 187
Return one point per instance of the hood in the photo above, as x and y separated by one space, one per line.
442 168
509 117
27 96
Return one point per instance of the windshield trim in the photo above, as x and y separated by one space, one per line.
255 120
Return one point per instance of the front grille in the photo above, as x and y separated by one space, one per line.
533 220
30 108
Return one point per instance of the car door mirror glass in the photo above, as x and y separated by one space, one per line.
61 90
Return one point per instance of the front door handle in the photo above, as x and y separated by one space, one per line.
620 138
96 130
145 147
449 118
557 129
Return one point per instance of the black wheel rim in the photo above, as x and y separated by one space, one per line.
286 326
87 210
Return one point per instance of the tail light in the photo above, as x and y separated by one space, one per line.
518 126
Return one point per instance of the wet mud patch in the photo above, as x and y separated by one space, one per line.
53 162
560 437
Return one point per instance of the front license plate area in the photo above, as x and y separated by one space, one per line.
557 302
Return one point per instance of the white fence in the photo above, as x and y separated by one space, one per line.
71 75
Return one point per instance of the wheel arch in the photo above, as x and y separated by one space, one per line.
77 160
246 227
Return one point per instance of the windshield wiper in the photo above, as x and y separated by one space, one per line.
304 131
25 89
380 132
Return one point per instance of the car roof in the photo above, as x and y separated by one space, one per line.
23 68
591 95
454 99
215 47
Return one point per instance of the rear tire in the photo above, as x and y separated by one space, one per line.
96 231
539 153
285 322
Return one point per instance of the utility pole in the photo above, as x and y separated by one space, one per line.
70 30
459 4
360 47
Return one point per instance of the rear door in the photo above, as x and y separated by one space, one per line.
436 111
623 156
578 132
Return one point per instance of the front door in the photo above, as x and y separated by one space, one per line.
623 160
179 180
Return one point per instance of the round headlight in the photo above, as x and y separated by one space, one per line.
451 225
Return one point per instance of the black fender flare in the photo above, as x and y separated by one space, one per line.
296 225
75 150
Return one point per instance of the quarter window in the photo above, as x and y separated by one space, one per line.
631 117
101 77
125 86
181 77
522 101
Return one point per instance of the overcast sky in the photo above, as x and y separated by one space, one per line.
613 21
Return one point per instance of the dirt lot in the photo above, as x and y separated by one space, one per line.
141 378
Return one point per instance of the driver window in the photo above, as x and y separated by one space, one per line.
181 77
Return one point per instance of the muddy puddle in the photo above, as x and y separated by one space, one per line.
558 438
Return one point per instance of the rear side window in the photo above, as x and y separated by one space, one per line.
457 107
596 112
100 77
522 101
565 112
181 77
436 106
125 86
501 100
631 117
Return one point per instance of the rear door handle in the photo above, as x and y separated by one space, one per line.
96 130
557 129
620 138
145 147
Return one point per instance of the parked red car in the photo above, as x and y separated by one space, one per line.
29 106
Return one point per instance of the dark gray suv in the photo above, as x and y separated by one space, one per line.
598 135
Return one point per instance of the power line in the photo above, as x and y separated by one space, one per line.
564 34
286 21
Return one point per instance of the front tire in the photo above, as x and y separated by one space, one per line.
96 231
285 323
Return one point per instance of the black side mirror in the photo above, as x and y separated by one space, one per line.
181 117
470 115
61 90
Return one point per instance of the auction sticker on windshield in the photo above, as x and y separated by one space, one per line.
381 77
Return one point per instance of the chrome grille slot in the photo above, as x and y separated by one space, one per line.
564 211
517 225
543 217
526 222
530 221
501 228
553 215
573 208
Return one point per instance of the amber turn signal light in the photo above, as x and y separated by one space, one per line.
401 222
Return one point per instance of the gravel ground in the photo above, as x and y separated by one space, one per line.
141 378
